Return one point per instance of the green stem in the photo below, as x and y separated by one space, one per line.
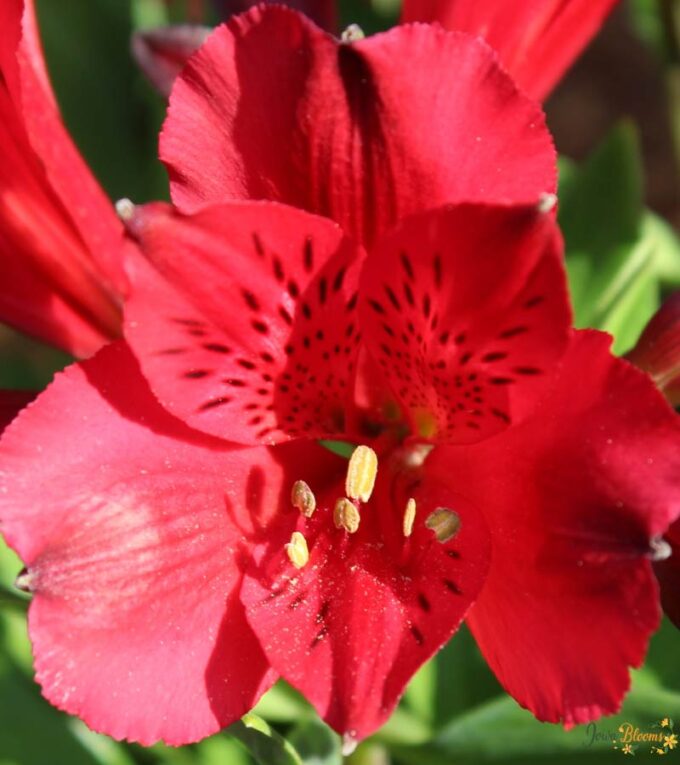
11 599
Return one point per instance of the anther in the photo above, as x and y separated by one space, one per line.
361 473
346 516
125 209
659 549
444 522
546 202
24 581
352 33
297 550
409 517
303 498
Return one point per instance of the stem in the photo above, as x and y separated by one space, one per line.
10 599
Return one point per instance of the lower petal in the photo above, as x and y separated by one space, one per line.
134 530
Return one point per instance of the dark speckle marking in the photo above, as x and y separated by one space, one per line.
423 602
217 348
417 634
494 356
214 403
259 326
308 254
437 268
196 374
171 351
451 586
534 301
298 601
323 290
323 612
257 244
453 554
513 332
529 371
406 263
321 634
376 306
251 301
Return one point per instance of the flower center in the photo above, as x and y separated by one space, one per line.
360 479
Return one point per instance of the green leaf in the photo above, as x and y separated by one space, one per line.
263 742
500 731
618 254
316 743
600 214
341 448
113 116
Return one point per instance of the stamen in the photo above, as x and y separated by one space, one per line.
409 517
546 202
346 516
303 498
444 522
352 33
24 581
361 473
125 209
297 550
659 549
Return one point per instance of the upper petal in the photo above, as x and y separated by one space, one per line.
134 529
243 319
466 311
536 40
575 498
364 133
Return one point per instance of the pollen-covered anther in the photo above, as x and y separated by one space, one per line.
353 33
24 581
346 516
361 473
659 549
409 517
444 522
303 498
297 550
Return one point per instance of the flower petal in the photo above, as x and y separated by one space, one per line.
134 529
537 40
466 309
351 627
657 351
364 133
244 322
59 235
574 498
162 52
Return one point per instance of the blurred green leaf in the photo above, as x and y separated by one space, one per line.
263 742
282 704
221 750
617 253
455 680
500 731
111 113
316 743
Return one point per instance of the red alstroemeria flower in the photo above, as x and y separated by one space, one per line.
536 40
60 239
173 579
365 133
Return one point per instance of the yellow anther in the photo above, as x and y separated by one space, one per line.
297 550
361 473
409 517
303 498
444 522
346 516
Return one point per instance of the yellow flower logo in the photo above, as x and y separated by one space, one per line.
670 742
